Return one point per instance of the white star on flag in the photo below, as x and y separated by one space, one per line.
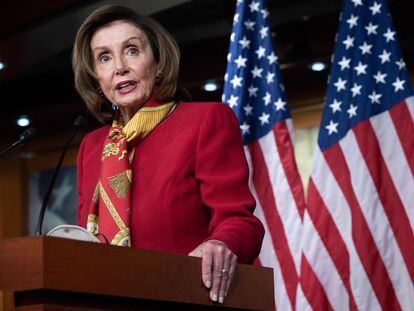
248 110
357 2
233 101
269 77
366 48
375 8
389 35
264 118
332 127
371 29
352 111
349 42
245 128
374 97
361 68
257 72
356 90
265 13
252 91
344 63
380 77
336 106
263 32
236 18
352 21
254 6
240 61
280 104
400 63
260 52
272 58
385 56
249 25
267 98
340 84
245 43
236 81
398 85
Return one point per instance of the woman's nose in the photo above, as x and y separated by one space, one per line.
121 67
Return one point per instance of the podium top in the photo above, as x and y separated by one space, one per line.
33 263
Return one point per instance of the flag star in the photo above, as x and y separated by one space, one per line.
361 68
267 98
371 29
226 76
352 21
340 84
280 104
265 13
389 35
257 72
380 77
272 58
223 98
332 127
264 118
239 2
385 56
349 42
269 77
229 57
398 84
336 106
357 2
232 36
254 6
356 90
375 8
248 109
352 111
252 91
245 128
249 24
400 63
374 97
244 43
366 48
233 101
260 52
263 32
240 61
236 18
344 63
236 81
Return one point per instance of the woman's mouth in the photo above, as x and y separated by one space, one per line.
125 87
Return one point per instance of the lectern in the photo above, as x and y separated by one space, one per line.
46 273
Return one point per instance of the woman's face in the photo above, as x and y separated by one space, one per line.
124 65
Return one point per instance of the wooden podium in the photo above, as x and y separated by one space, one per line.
46 273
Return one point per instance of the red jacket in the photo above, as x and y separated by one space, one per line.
190 183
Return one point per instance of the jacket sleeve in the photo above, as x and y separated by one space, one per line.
222 171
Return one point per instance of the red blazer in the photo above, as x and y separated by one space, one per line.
190 183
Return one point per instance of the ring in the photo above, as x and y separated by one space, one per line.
224 271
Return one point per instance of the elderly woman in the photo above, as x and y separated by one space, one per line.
167 175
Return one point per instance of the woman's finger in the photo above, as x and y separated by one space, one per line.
218 261
206 266
225 274
232 271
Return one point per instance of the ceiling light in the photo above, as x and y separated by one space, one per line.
318 66
210 86
23 121
2 65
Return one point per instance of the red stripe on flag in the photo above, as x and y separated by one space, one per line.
393 207
331 238
287 158
312 288
404 126
267 201
363 240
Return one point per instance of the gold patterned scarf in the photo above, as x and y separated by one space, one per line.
109 213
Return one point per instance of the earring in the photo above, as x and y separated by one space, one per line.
101 93
158 79
114 107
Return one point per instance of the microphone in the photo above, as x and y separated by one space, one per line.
79 123
24 138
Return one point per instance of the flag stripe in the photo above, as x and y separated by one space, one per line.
328 189
285 203
284 146
302 302
395 159
410 104
267 201
332 239
391 202
364 242
405 130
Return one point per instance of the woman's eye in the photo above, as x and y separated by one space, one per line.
132 51
103 58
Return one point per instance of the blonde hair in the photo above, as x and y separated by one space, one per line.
164 48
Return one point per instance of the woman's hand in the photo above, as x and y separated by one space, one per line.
218 265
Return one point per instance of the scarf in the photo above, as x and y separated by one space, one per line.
110 209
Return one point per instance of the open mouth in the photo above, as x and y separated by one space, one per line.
125 86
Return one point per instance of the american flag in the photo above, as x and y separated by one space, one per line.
358 241
253 89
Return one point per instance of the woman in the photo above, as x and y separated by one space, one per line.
167 175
